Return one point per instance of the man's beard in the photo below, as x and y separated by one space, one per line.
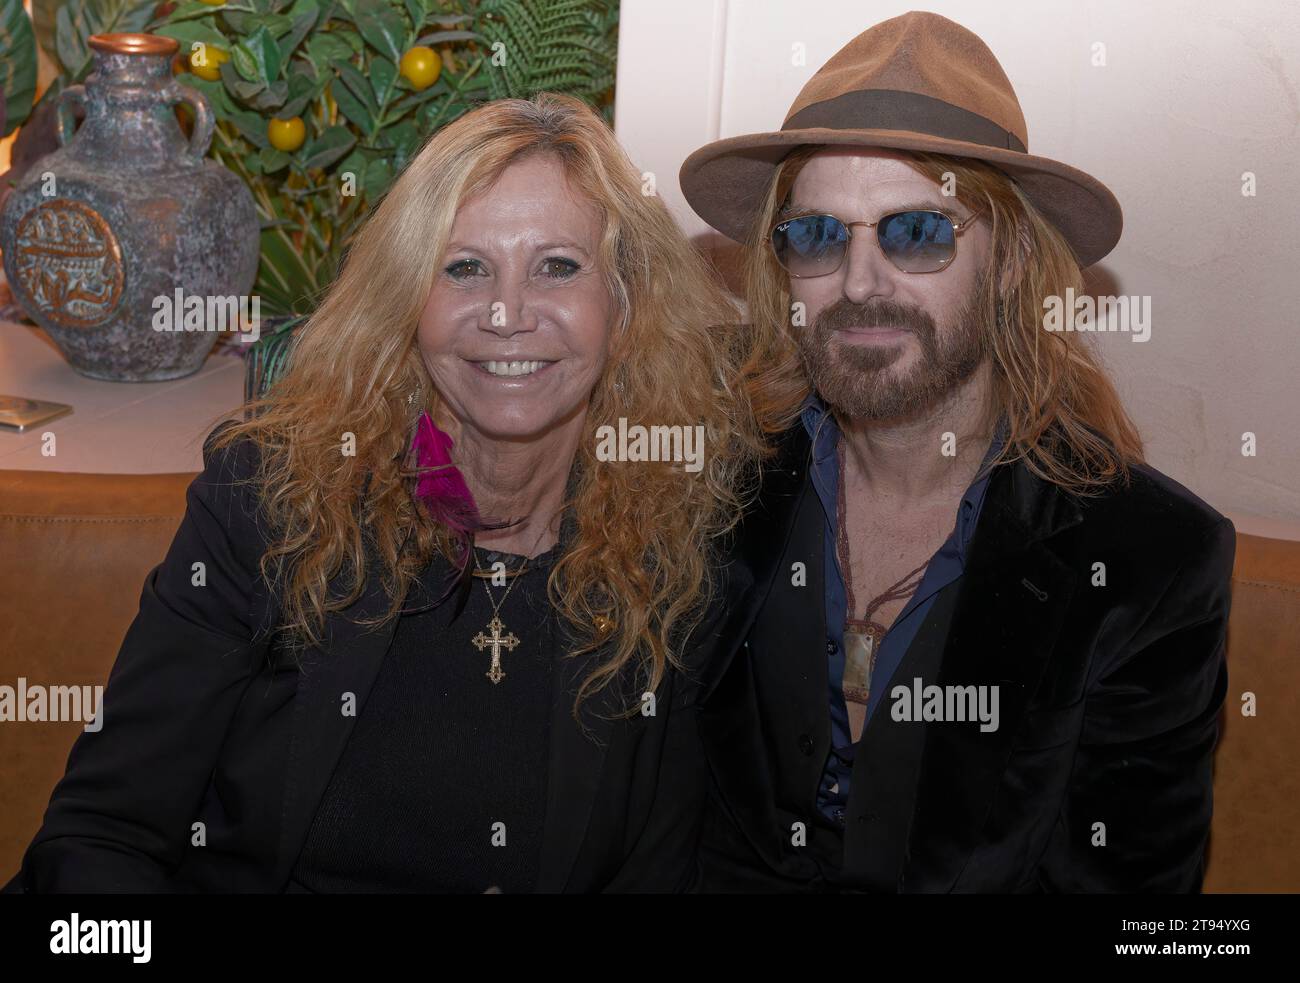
858 379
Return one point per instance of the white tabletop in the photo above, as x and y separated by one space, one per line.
114 427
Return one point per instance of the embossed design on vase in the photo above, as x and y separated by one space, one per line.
68 263
136 213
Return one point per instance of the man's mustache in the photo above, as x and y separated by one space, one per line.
844 315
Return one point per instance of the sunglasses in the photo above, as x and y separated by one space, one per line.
915 241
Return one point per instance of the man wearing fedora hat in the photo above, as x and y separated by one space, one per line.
978 641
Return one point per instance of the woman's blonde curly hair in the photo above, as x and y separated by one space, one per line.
645 534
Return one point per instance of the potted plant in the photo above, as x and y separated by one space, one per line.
319 104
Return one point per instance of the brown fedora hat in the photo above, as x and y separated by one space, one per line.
915 82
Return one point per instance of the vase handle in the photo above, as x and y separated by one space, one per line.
68 123
201 137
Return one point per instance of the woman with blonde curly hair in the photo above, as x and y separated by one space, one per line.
416 631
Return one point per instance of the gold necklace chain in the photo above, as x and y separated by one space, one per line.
500 637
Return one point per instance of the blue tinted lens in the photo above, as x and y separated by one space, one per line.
810 245
917 242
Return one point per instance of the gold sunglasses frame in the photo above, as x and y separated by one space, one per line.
957 228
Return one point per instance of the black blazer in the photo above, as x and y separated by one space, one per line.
1109 697
201 724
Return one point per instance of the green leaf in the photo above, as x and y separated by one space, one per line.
272 160
302 90
330 146
247 92
17 64
379 175
382 27
352 107
557 45
246 24
356 82
303 14
251 127
418 11
405 138
383 79
186 10
281 261
443 37
261 45
189 32
76 22
273 97
70 46
246 64
44 13
409 102
218 98
325 48
352 39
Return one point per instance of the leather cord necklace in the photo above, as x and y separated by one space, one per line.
862 635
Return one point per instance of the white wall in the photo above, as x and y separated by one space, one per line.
1192 94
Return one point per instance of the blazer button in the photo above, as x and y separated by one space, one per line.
805 744
830 646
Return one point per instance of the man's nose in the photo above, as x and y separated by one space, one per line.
866 272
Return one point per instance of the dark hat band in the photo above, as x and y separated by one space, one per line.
892 109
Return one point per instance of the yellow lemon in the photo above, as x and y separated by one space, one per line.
207 65
421 66
286 134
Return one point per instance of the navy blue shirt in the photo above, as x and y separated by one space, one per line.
945 566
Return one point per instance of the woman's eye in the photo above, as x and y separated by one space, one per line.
461 269
559 268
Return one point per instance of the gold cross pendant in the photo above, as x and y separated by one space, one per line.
498 642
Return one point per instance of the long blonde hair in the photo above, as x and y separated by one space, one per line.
1066 420
638 565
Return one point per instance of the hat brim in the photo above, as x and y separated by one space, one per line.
724 181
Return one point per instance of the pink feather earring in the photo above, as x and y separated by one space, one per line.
442 488
441 485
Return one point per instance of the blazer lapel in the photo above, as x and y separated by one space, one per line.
347 663
1013 597
760 538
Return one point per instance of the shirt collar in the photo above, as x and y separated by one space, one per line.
820 425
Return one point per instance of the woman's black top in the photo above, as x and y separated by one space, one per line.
442 786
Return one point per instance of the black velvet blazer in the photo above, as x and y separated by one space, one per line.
203 724
1098 777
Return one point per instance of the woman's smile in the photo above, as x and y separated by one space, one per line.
514 370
